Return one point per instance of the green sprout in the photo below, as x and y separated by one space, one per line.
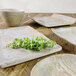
36 44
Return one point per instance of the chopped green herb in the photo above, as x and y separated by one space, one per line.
37 43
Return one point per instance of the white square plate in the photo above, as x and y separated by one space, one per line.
54 20
10 57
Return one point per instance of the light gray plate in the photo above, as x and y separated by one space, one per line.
10 57
54 20
68 34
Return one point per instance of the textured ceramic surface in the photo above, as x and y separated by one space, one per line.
54 20
9 56
68 34
13 17
57 65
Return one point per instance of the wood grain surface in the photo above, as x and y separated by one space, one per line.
24 69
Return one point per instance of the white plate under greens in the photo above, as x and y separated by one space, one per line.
10 57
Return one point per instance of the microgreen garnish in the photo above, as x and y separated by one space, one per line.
37 43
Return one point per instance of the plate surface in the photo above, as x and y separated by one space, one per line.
54 20
57 65
68 34
9 56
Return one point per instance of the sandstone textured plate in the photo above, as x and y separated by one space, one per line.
10 57
54 20
66 38
57 65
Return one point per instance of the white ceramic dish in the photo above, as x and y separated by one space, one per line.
54 20
10 57
57 65
68 34
12 17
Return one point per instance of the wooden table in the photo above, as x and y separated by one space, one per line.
24 69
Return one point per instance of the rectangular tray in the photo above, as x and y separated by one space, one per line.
54 20
10 57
